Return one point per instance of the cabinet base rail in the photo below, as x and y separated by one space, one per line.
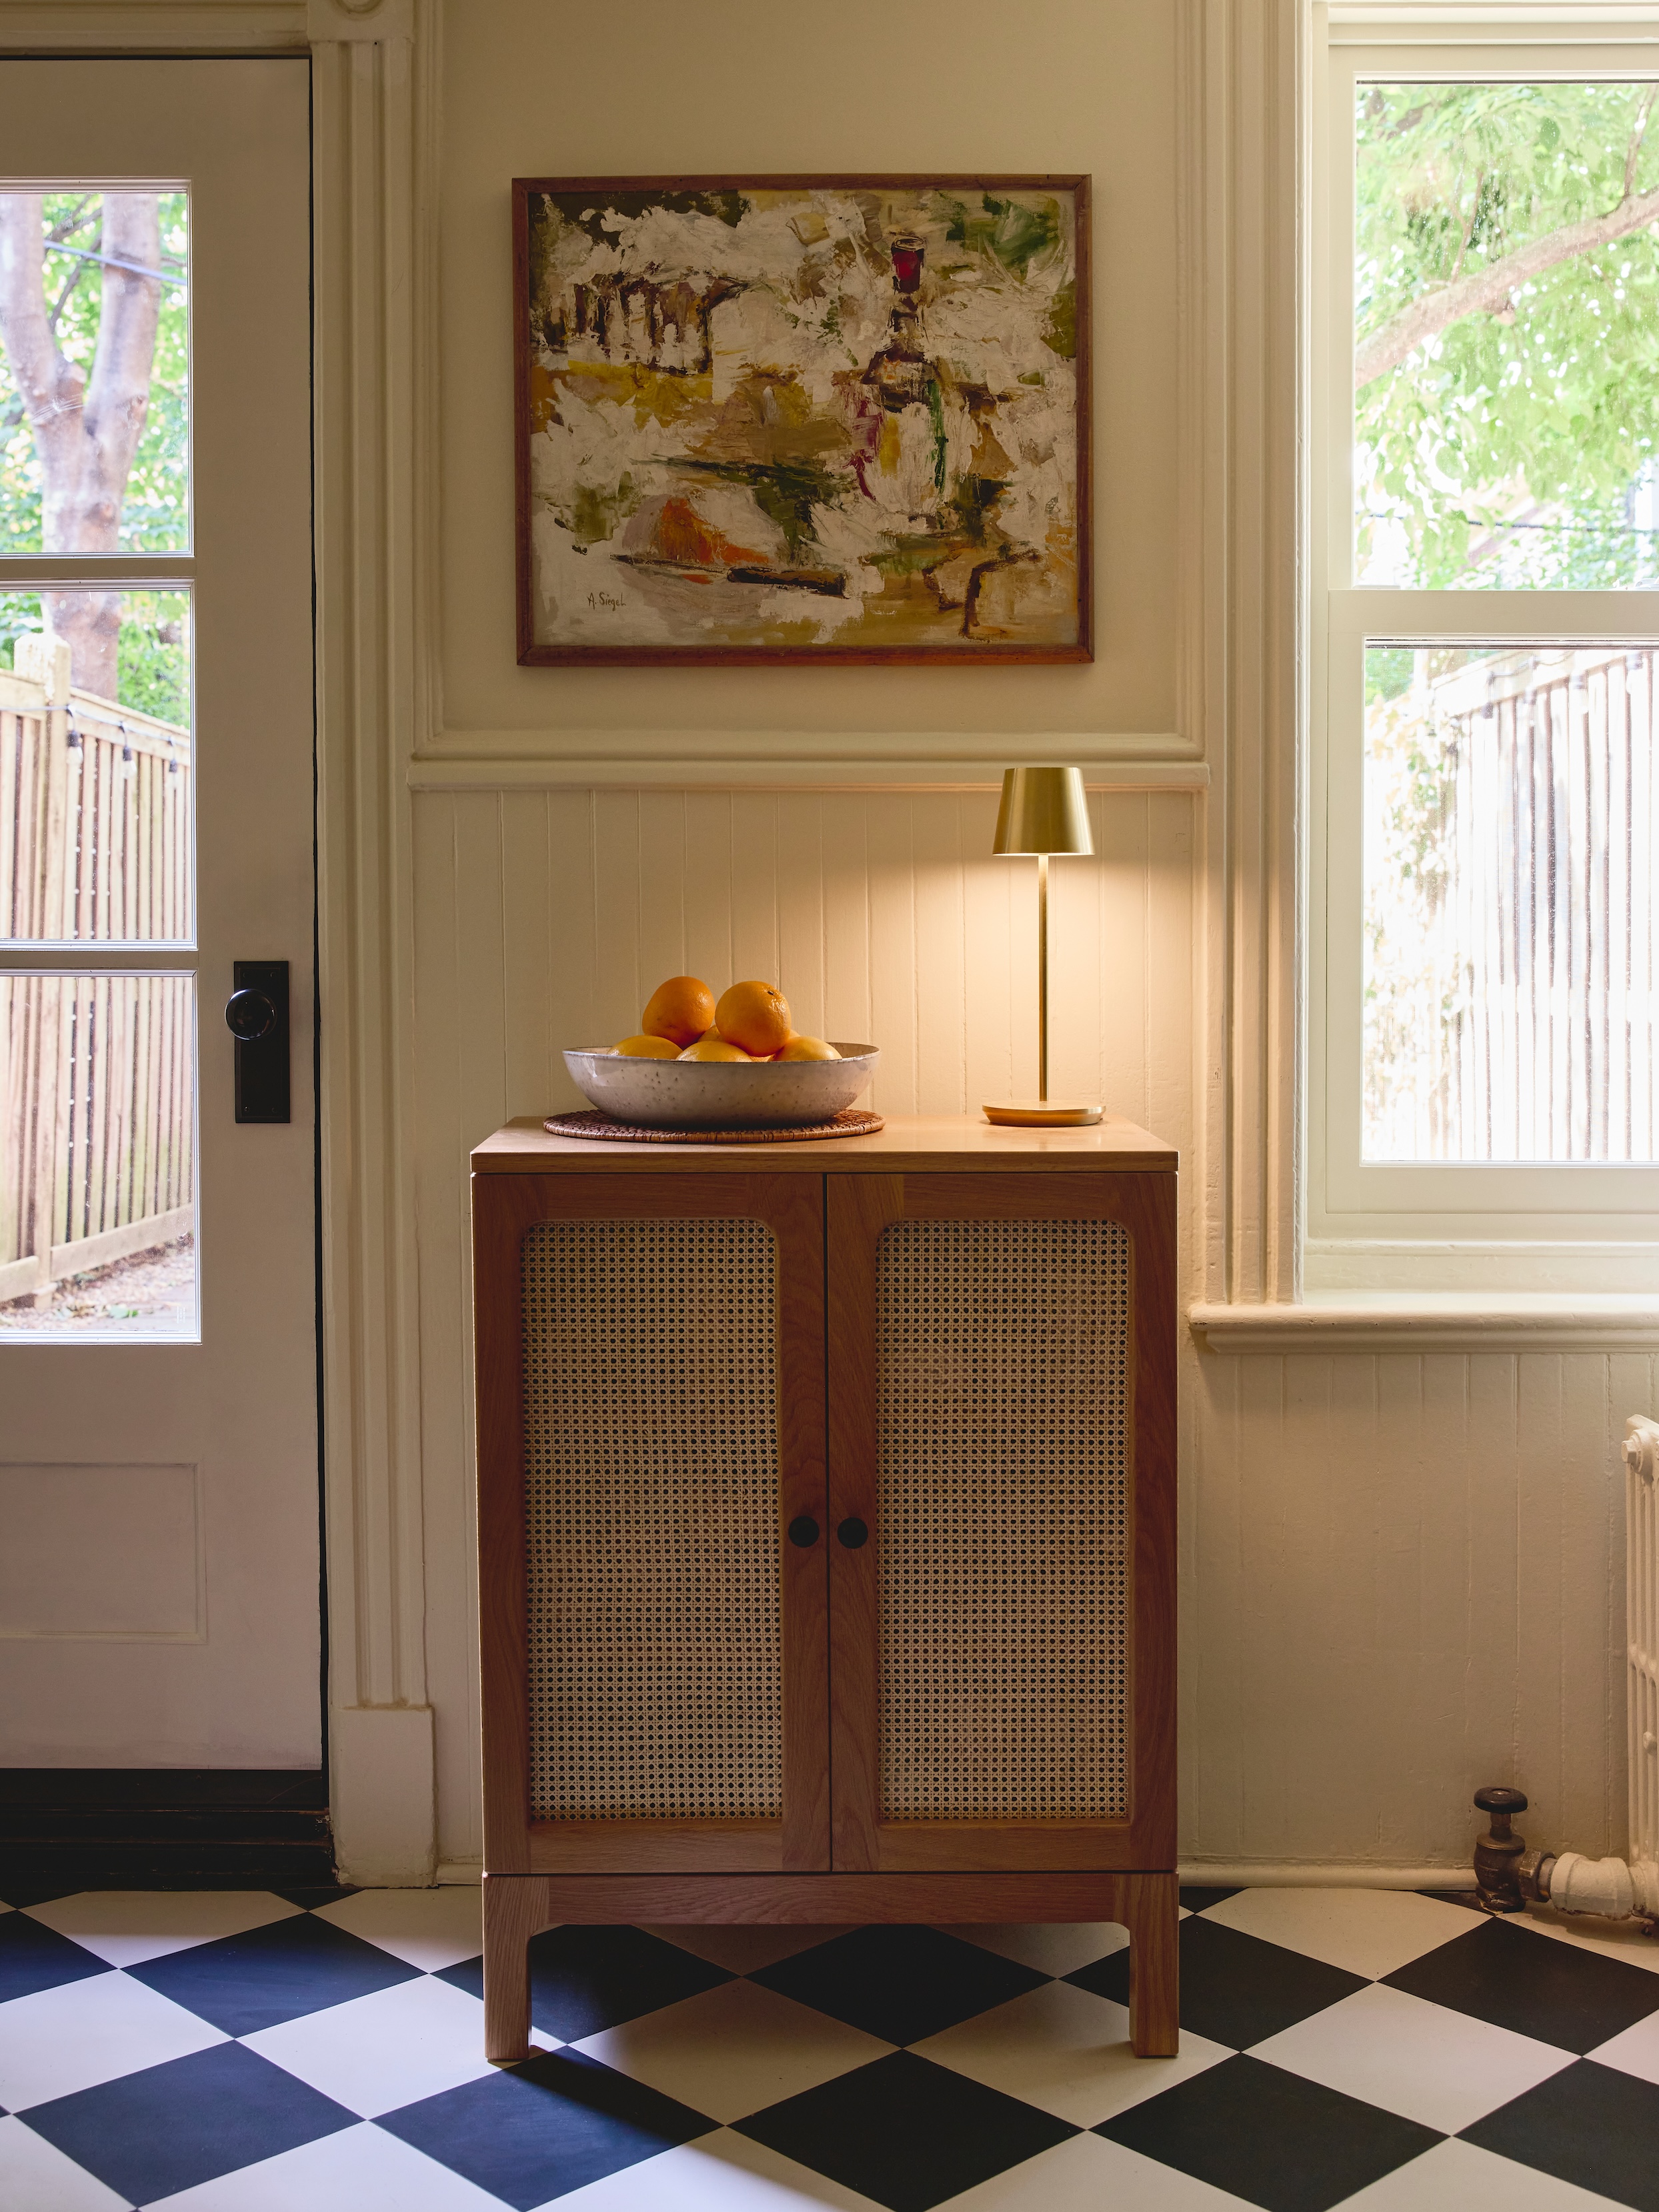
517 1906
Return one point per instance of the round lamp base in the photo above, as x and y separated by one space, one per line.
1042 1113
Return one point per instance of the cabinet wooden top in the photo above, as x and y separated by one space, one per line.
912 1143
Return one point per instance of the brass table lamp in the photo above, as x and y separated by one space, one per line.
1043 812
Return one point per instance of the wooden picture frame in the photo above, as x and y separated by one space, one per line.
802 419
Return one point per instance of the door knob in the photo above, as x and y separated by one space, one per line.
852 1533
256 1014
249 1016
804 1530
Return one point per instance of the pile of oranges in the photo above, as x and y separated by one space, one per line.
682 1021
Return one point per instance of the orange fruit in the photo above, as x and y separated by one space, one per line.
755 1016
647 1047
681 1009
806 1048
713 1048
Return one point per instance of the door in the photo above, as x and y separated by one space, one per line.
651 1508
1002 1367
159 1579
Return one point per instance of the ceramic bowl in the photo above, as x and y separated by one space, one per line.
722 1094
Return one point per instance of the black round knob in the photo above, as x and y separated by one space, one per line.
804 1530
1495 1799
249 1016
852 1533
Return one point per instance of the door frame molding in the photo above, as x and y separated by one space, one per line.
374 158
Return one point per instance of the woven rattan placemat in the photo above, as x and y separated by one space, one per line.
851 1121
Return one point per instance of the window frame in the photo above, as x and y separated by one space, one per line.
1403 1225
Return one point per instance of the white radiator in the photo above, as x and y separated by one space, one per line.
1642 1644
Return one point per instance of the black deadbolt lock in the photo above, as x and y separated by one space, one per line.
803 1530
852 1533
256 1015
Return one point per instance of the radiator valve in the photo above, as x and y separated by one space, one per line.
1508 1877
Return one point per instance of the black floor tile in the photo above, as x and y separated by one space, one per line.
1196 1899
899 1983
905 2132
1572 1998
1235 1989
1285 2143
586 1978
270 1974
34 1957
170 2127
1467 1898
541 2130
1588 2125
19 1892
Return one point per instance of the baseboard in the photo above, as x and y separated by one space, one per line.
1327 1874
69 1828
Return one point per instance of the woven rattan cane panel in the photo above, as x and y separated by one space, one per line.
1004 1496
650 1365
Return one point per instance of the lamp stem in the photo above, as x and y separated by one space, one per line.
1042 976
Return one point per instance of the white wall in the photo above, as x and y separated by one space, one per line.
1401 1573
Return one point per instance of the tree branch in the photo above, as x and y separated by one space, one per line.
1639 132
1489 288
50 386
117 396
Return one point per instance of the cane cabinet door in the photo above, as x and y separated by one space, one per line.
1001 1431
651 1510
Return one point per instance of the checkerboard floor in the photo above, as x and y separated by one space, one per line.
321 2051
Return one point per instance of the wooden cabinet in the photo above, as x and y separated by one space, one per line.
826 1503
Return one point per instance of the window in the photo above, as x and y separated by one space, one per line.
1485 610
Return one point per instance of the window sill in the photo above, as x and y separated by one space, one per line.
1413 1321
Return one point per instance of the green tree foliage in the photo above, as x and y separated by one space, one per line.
1508 448
154 652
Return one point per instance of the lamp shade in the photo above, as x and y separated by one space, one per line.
1043 811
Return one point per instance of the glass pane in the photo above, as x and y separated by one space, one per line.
94 373
1507 337
1511 918
96 792
98 1177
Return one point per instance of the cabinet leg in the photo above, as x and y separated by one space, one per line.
1154 1986
509 1922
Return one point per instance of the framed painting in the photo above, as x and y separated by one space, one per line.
811 419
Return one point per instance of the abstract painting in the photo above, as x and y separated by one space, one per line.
802 418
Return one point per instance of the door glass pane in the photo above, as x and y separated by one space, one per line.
1511 922
1507 337
94 371
98 1177
96 792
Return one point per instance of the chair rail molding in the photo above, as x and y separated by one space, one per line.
1242 123
374 159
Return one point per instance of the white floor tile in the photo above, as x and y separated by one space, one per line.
1458 2177
1088 2174
719 2173
83 2033
734 2050
36 2177
1066 2050
1365 1931
358 2170
742 1947
375 2053
426 1927
1611 1939
1421 2060
1057 1947
125 1927
1636 2051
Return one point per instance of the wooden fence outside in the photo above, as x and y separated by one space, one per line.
97 1072
1512 956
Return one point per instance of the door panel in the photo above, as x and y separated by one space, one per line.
112 1036
650 1439
1001 1469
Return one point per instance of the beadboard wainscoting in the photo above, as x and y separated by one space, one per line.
1402 1572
